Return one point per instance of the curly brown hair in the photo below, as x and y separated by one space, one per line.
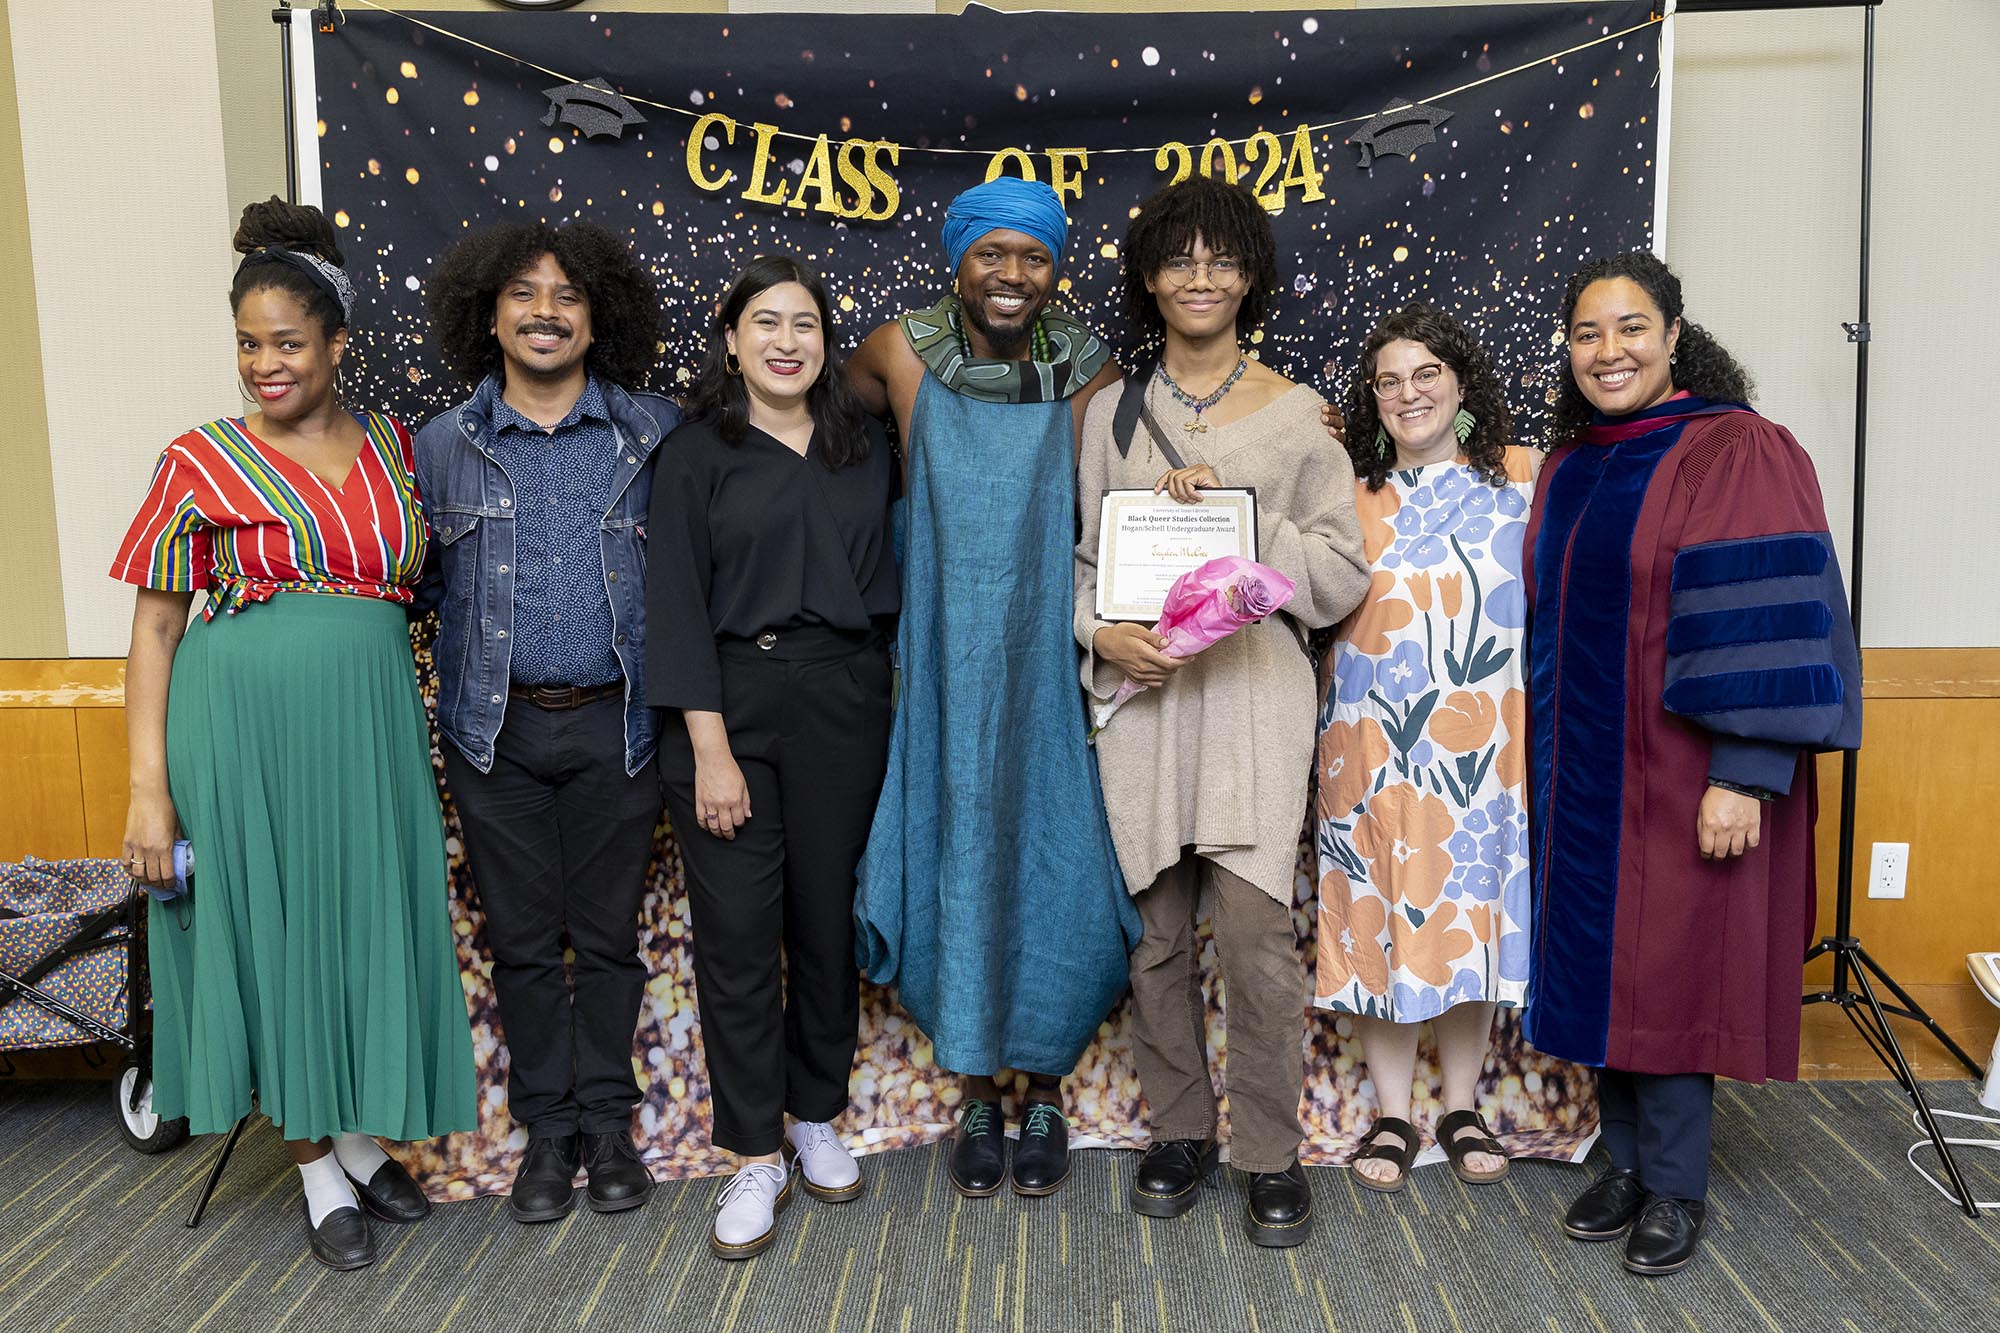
1227 218
1479 388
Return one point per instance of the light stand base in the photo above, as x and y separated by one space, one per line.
1871 1019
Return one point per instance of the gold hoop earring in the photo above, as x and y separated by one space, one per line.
730 365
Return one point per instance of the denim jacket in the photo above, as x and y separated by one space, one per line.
469 500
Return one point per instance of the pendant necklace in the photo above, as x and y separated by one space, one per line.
1195 425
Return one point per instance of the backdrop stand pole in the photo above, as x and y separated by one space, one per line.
1851 963
282 16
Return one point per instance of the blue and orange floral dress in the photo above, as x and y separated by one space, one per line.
1420 822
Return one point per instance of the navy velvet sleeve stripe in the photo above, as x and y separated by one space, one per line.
1760 646
1757 624
1713 564
1815 686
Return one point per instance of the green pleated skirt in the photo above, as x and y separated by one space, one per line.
314 966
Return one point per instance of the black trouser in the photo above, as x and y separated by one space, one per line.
559 839
773 909
1658 1125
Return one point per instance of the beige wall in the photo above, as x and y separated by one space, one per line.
1764 168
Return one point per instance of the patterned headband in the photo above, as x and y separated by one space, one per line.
327 277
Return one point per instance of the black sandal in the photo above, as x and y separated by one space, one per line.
1458 1148
1371 1151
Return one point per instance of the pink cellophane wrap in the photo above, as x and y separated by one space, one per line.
1207 604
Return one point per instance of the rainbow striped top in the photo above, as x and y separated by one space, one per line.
230 514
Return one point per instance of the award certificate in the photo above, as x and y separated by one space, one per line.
1146 541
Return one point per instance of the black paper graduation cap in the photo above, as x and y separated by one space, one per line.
592 107
1400 130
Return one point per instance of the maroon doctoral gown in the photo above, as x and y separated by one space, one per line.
1689 625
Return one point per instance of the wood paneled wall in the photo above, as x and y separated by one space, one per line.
1931 747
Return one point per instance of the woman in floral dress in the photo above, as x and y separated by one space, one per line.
1421 828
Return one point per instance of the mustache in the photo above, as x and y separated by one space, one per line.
543 326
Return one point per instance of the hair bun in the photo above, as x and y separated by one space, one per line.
279 222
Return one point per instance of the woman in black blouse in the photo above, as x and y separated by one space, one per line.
770 587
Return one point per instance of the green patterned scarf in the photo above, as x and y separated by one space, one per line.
1063 356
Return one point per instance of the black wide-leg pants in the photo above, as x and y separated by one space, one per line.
773 908
559 837
1659 1125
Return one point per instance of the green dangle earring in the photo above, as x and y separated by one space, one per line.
1463 425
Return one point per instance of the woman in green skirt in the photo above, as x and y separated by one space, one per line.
312 966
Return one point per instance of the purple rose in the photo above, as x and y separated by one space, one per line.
1254 598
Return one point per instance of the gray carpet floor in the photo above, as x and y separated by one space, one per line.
1817 1223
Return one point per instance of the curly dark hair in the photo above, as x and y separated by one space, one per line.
1701 365
1478 385
720 396
624 302
1228 218
299 227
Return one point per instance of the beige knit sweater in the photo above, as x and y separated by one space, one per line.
1220 758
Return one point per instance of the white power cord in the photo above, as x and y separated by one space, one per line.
1939 1185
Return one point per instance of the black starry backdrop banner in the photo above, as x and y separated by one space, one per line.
1502 145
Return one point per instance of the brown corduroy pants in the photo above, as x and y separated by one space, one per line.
1265 989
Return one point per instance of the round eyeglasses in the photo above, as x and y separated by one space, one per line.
1180 270
1423 379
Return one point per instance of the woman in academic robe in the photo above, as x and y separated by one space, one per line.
1690 650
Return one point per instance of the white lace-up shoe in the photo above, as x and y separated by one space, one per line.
747 1211
831 1173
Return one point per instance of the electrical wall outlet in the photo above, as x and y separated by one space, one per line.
1888 869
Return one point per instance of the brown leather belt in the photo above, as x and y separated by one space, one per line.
561 698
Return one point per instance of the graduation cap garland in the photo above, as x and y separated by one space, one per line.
591 106
1399 130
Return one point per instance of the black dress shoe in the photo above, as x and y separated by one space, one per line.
1605 1210
542 1187
1041 1158
1281 1208
1664 1238
391 1195
342 1240
979 1151
1170 1176
618 1179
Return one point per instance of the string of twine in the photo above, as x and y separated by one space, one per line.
1313 128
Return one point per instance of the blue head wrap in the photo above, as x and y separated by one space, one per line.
1029 207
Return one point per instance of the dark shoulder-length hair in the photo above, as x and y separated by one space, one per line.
1228 219
1701 365
1478 386
720 398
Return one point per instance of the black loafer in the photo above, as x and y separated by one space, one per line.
1664 1238
1170 1176
618 1179
979 1151
543 1188
342 1240
391 1195
1281 1208
1041 1158
1605 1210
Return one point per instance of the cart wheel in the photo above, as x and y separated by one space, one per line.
143 1129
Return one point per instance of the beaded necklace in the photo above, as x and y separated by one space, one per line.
1196 425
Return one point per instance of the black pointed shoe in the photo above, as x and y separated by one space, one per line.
391 1195
1041 1158
1280 1213
979 1150
1664 1238
618 1179
544 1189
342 1240
1605 1210
1170 1176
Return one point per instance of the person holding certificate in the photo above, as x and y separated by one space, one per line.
1205 773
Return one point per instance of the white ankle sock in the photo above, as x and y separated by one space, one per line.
326 1187
360 1155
